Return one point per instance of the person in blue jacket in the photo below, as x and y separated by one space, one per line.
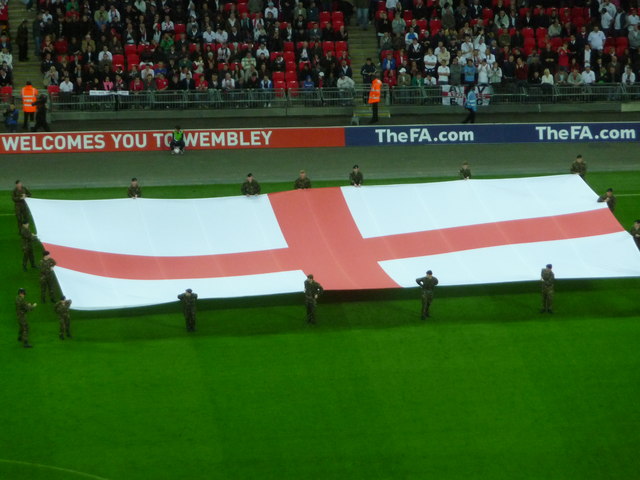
11 118
471 104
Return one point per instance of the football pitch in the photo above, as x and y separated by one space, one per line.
488 388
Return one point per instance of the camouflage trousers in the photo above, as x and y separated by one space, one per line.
27 257
427 298
547 298
46 283
311 304
22 215
65 321
23 329
190 320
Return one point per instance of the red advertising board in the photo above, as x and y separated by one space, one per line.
71 142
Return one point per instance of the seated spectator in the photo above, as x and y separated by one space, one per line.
628 77
105 58
119 84
495 75
107 84
51 77
561 77
588 75
6 57
228 83
66 86
5 78
162 83
136 85
546 82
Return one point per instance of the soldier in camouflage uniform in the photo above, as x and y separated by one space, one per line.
355 177
302 181
465 171
250 186
635 232
20 192
428 284
609 199
548 278
22 308
47 278
188 299
27 246
62 310
312 290
134 190
579 167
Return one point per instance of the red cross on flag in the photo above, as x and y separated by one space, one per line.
134 252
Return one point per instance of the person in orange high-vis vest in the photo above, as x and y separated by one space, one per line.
29 97
374 97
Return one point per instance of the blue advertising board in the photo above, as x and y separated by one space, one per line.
492 133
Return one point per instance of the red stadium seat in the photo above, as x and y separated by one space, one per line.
342 46
289 47
337 16
622 42
529 45
280 87
53 90
118 60
328 46
180 28
290 77
487 14
408 16
527 32
289 57
6 94
435 25
556 42
381 6
293 87
422 24
243 8
133 59
61 46
523 12
541 32
278 77
130 50
325 17
337 25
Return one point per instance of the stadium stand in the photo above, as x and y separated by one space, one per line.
204 41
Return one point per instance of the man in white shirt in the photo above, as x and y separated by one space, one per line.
66 86
262 49
221 35
209 36
628 77
443 73
596 39
5 56
588 76
271 9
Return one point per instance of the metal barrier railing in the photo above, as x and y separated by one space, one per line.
511 93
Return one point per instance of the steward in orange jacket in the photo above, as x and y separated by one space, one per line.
29 97
374 97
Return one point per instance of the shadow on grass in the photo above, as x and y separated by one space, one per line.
370 309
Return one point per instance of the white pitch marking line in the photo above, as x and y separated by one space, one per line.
50 467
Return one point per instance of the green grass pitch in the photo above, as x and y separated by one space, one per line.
488 389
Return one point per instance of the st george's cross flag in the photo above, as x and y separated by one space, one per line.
134 252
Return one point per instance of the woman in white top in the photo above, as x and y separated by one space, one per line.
546 81
495 75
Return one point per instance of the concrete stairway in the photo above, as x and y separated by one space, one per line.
362 44
23 71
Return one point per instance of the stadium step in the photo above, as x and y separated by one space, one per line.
362 44
23 71
364 112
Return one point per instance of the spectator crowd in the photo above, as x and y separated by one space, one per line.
507 42
191 45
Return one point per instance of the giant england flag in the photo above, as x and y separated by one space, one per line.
135 252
